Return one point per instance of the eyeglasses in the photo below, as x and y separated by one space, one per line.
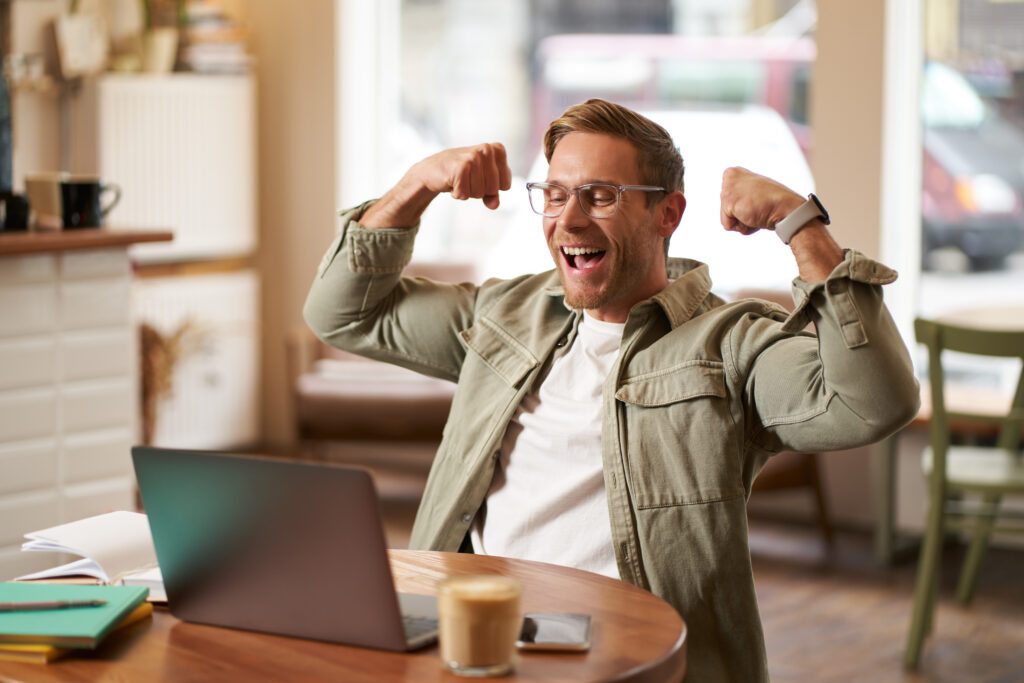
598 200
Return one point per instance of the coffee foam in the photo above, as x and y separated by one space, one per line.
482 587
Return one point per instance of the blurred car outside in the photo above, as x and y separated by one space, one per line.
973 174
711 140
973 177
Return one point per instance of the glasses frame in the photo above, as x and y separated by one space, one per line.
619 189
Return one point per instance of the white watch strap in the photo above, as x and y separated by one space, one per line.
797 221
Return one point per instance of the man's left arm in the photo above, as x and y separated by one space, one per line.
853 384
751 202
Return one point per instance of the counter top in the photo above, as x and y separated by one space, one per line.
15 243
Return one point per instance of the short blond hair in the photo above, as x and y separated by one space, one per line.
658 158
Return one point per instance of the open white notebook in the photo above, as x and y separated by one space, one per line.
115 547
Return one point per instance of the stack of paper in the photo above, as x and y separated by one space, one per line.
115 547
42 635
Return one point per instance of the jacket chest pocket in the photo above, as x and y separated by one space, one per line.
682 445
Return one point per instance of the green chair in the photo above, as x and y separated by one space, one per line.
965 483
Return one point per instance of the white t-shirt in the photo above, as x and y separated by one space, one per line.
547 499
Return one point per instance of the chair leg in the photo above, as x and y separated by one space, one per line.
927 585
933 596
979 542
819 498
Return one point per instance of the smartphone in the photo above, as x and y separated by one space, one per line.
552 631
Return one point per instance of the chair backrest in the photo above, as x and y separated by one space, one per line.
939 337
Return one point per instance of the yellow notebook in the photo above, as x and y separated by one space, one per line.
41 654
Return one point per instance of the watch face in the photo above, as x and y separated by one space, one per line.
821 207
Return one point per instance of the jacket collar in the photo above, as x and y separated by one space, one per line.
689 285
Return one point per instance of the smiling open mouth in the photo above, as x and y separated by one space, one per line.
582 257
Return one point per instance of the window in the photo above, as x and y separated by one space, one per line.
973 139
469 72
972 108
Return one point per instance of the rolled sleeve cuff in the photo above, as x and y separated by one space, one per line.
838 288
371 250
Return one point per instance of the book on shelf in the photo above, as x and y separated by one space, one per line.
40 653
228 33
216 58
213 42
72 627
113 548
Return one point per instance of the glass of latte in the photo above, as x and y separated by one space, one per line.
479 619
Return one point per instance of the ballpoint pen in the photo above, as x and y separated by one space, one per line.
50 604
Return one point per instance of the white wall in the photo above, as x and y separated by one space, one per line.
294 46
35 115
863 47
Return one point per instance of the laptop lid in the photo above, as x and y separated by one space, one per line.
278 546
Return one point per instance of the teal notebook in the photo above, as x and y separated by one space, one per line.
83 627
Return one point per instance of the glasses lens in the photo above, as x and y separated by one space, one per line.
548 200
599 201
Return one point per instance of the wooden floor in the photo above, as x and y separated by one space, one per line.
836 616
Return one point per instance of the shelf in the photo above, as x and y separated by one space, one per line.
13 243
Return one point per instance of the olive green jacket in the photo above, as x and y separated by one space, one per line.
702 394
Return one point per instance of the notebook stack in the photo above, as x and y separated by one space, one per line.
40 622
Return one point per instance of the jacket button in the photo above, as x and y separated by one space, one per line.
467 518
562 342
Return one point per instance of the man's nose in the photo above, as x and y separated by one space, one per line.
573 215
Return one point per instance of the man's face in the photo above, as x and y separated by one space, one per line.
606 264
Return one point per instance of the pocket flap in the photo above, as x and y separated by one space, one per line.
499 350
683 382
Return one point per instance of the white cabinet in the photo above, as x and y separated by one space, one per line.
68 392
182 147
213 402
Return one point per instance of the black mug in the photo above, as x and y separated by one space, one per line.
80 202
13 212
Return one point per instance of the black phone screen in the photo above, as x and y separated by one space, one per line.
551 631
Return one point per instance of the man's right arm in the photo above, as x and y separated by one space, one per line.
476 172
359 301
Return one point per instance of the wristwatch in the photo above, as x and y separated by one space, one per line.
798 220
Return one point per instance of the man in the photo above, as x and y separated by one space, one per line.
613 414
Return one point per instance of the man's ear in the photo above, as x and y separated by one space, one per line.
670 212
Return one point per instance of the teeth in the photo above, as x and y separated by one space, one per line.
579 251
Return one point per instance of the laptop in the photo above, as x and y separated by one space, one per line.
277 546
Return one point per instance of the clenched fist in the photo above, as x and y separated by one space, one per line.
752 202
476 172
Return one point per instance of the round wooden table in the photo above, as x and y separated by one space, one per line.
636 636
1008 317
